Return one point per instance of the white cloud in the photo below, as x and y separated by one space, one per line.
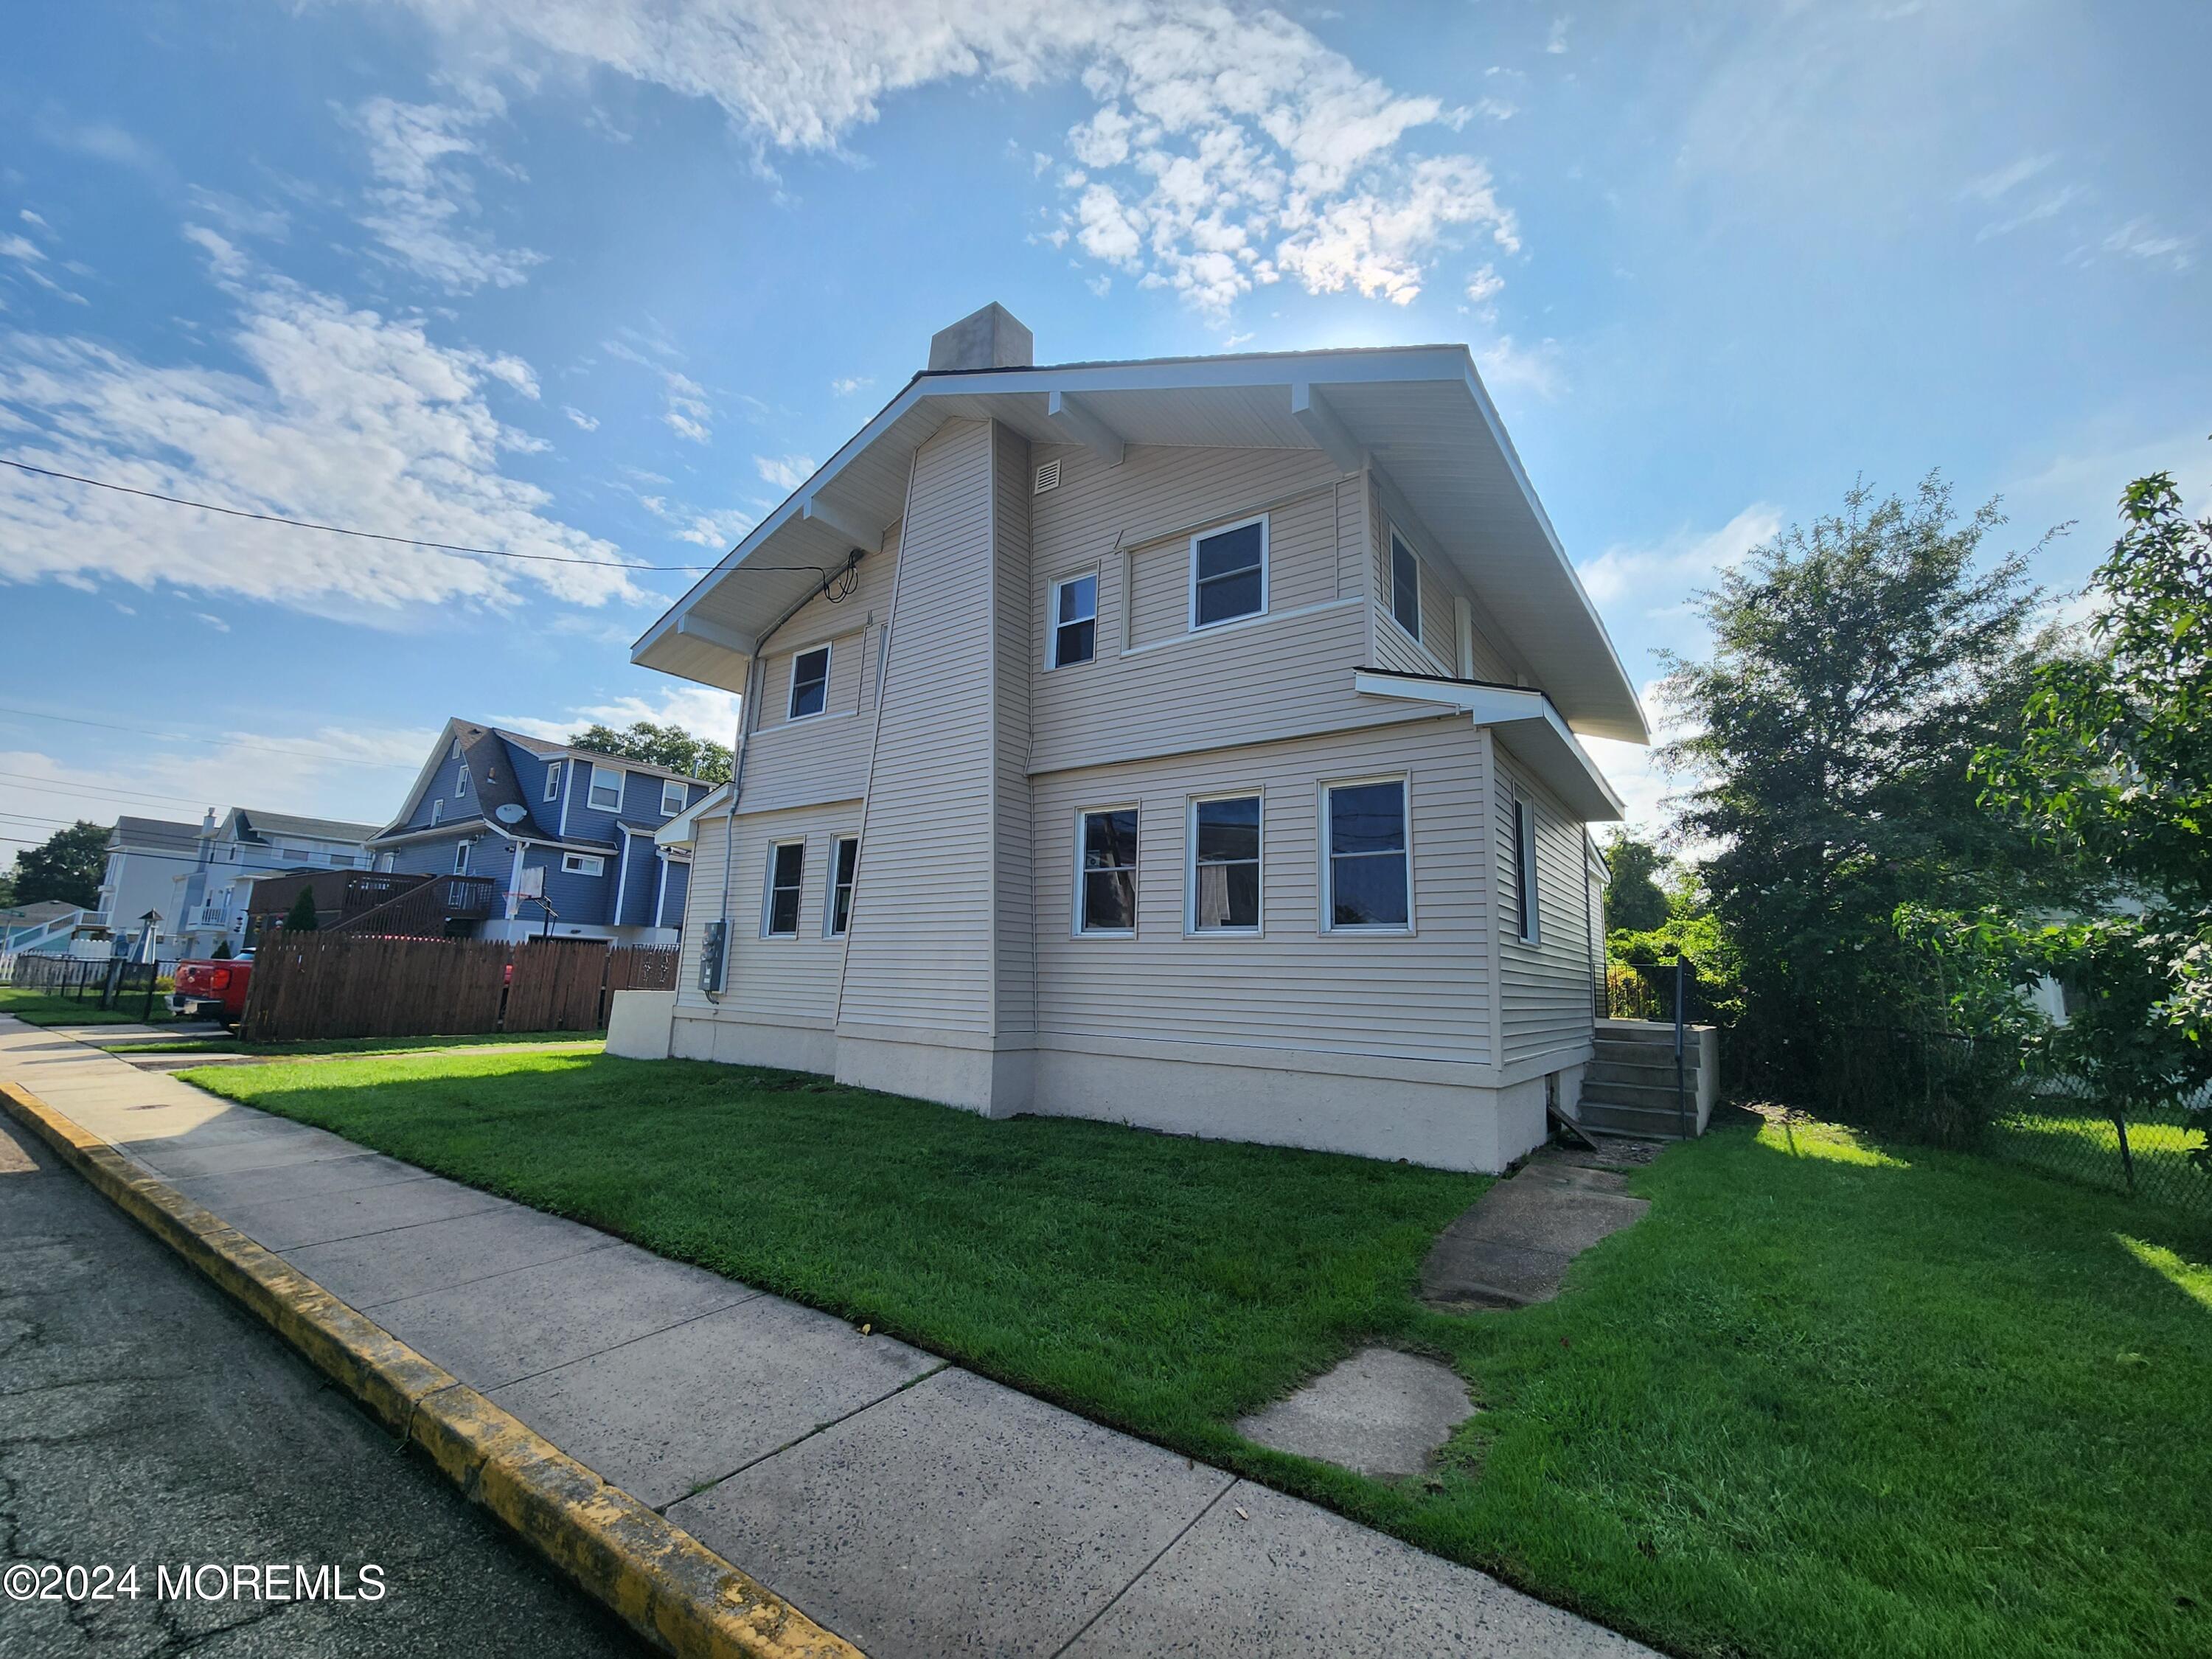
786 472
2049 206
338 415
1505 364
30 255
719 531
1485 285
588 423
212 621
1990 186
31 218
1241 149
687 408
21 247
2139 238
1556 41
1663 574
424 202
849 384
699 709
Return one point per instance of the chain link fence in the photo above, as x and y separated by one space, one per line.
2149 1157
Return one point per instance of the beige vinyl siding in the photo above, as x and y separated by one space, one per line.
1423 996
702 903
792 979
921 954
1286 674
1014 969
1437 653
1545 988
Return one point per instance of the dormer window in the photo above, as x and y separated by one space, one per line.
553 782
672 797
606 793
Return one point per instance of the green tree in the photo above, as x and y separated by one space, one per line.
300 918
1856 666
1633 901
2112 771
668 745
66 866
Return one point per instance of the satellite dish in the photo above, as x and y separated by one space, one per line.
513 813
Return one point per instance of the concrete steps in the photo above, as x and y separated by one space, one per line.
1642 1122
1630 1088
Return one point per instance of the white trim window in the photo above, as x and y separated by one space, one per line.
437 809
673 794
1228 573
461 857
553 780
583 864
1404 587
810 683
844 866
460 783
787 876
1525 897
1368 855
1225 864
1074 620
605 795
1106 871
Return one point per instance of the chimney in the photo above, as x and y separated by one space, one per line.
990 338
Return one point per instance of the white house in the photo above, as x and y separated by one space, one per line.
1190 743
145 858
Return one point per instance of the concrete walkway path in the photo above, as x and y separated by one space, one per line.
911 1506
1513 1246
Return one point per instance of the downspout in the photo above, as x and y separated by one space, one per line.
746 726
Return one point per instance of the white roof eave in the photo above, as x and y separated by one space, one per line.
1525 722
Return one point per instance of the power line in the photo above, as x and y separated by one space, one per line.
45 785
456 550
212 743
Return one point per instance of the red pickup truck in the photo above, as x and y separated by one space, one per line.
208 987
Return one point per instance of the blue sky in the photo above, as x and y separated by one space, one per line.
600 278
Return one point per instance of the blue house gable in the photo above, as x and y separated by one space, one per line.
498 804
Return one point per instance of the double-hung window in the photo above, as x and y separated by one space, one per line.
844 864
1106 874
810 683
437 809
1405 585
553 782
1228 573
606 792
1224 865
786 868
461 858
1074 620
1370 871
1524 871
461 783
672 797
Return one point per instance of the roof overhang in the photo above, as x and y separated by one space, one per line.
1419 411
1526 726
682 829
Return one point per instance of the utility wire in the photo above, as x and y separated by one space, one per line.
213 743
457 549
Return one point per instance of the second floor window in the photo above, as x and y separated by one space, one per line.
1106 876
461 783
1370 876
437 809
553 782
606 791
1524 871
1405 585
845 865
672 797
1228 574
810 683
1074 620
787 866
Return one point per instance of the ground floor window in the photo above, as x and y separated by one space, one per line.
1370 871
1224 868
786 862
1106 885
845 864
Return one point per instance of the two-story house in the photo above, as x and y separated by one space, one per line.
1189 742
568 836
145 857
208 901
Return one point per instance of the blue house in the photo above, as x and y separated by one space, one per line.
557 839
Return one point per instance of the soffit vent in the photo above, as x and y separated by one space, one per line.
1048 478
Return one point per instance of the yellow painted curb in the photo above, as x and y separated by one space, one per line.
663 1583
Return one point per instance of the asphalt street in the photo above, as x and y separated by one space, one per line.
146 1423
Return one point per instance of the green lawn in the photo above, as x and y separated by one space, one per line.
1823 1399
40 1008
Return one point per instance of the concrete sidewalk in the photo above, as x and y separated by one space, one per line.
912 1507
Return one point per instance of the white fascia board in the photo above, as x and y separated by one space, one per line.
422 781
682 829
1527 723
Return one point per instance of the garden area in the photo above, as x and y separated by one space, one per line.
1831 1396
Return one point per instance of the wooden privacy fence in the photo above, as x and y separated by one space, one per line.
335 985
